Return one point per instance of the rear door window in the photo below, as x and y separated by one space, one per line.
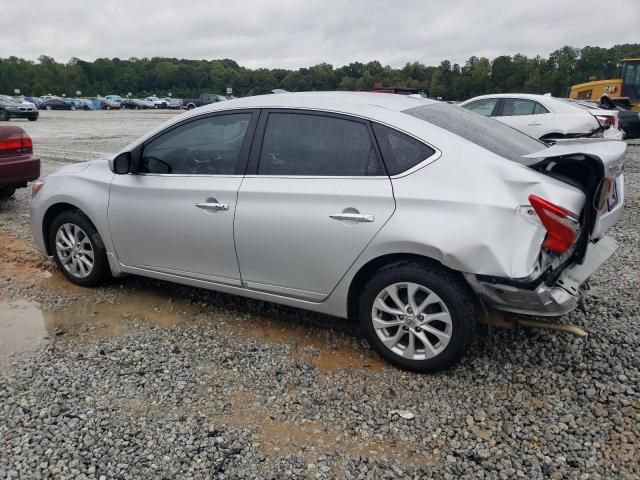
317 145
399 151
513 107
484 107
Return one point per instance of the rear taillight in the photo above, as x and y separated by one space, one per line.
607 121
562 225
18 142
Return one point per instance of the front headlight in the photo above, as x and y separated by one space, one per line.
37 186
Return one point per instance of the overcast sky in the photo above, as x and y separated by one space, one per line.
291 34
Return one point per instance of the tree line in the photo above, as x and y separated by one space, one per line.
188 78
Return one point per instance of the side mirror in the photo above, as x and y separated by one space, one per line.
121 165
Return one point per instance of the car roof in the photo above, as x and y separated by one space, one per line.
351 103
530 96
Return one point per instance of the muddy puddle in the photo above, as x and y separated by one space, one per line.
313 438
24 326
325 350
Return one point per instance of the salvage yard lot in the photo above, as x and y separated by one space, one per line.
145 379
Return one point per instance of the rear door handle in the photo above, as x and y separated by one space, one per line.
534 124
352 217
212 206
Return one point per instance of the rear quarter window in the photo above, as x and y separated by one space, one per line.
400 152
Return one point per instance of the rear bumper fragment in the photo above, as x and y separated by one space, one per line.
544 300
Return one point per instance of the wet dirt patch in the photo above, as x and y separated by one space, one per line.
310 439
24 326
22 330
325 350
20 261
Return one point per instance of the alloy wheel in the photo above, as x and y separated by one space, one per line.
74 250
412 321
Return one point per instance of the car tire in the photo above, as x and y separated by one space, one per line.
427 337
48 107
4 116
72 238
33 119
7 192
73 108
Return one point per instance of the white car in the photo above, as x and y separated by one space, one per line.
157 102
546 117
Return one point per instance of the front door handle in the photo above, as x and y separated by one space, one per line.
352 217
212 206
534 124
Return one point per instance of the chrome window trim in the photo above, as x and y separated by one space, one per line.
188 175
328 177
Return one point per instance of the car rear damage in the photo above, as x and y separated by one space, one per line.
575 244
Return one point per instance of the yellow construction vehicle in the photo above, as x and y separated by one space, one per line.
623 91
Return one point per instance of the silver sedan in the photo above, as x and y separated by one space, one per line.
404 213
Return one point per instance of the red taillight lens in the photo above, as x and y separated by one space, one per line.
18 142
606 121
27 143
562 225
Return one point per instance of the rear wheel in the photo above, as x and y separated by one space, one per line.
78 249
48 107
417 316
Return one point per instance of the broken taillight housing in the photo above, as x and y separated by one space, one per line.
562 225
18 142
607 121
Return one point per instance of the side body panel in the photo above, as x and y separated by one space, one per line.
155 223
288 243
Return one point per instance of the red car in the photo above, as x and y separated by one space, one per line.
18 165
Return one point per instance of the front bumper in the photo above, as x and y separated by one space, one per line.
545 300
26 114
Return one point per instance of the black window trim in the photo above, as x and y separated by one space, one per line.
243 157
258 140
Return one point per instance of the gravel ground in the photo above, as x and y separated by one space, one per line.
144 379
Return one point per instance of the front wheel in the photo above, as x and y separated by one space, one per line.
417 316
48 107
33 119
3 116
78 249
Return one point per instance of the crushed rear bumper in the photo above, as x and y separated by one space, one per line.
546 300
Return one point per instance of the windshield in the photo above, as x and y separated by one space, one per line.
485 132
631 73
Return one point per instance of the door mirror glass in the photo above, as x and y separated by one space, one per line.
121 165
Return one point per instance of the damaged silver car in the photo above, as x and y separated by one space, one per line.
403 213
